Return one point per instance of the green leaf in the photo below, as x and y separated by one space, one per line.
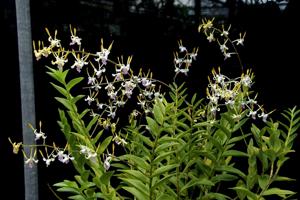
165 146
165 197
224 129
103 146
136 174
73 82
216 143
136 193
60 184
66 183
58 75
138 162
158 110
65 102
153 126
77 197
105 178
189 164
161 181
187 116
197 182
146 140
142 149
264 160
69 189
64 125
138 184
79 180
97 137
208 154
61 90
165 139
217 196
223 177
194 98
246 191
232 170
163 169
104 196
81 137
241 194
278 192
162 156
263 181
283 178
183 125
235 153
92 123
77 98
239 124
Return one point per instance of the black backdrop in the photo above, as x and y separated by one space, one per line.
151 35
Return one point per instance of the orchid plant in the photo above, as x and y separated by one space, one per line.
171 145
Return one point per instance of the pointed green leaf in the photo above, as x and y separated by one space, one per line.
239 124
105 178
153 126
194 98
217 196
74 82
278 192
136 193
138 184
161 181
103 146
163 169
223 177
77 98
92 123
241 194
77 197
223 129
158 112
282 178
187 116
197 182
60 90
136 174
165 146
65 102
146 140
97 137
81 137
138 162
162 156
263 181
165 197
245 191
231 170
235 153
183 125
58 75
165 139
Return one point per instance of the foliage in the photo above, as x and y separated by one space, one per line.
174 145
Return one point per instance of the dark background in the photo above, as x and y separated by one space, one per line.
150 34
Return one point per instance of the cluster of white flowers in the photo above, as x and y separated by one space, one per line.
233 93
111 85
221 36
183 59
31 159
116 80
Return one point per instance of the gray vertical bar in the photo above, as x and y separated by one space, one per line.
27 92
